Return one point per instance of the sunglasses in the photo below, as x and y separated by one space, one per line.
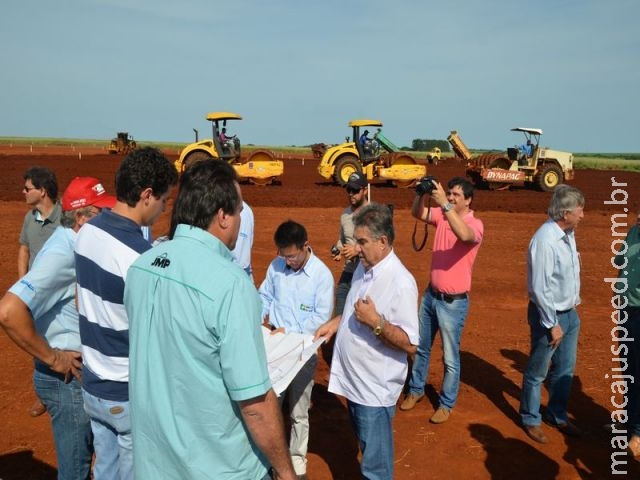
353 191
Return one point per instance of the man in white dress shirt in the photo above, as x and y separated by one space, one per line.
376 331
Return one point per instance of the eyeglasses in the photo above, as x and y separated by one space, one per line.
28 189
353 191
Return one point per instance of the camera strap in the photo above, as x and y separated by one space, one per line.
415 245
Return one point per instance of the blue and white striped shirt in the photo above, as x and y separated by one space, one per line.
105 249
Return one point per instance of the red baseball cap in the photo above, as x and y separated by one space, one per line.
85 191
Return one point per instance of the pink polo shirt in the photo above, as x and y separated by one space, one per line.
452 260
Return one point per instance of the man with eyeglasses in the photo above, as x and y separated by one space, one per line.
297 296
41 194
39 314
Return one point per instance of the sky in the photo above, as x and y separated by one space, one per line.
298 71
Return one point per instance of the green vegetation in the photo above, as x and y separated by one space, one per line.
598 161
425 145
610 161
44 141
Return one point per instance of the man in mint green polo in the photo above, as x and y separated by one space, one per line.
201 400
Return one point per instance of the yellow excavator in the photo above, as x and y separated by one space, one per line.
260 167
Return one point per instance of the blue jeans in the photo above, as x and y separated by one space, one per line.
342 290
448 318
70 424
562 360
374 429
111 425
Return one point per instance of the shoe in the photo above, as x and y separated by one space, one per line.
634 445
568 428
536 433
410 401
37 409
441 415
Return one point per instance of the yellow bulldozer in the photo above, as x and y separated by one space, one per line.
377 157
260 167
123 144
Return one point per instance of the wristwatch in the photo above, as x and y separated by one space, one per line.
446 207
377 331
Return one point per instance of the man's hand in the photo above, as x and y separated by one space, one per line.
349 251
556 335
327 329
365 310
68 363
272 328
439 195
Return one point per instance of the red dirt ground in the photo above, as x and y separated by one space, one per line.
482 439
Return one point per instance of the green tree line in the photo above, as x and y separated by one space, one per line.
424 145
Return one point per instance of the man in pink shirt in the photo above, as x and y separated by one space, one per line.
445 303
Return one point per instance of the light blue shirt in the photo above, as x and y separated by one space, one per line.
527 149
242 252
49 290
553 275
298 301
196 349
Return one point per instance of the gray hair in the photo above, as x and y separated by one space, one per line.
68 218
378 219
564 199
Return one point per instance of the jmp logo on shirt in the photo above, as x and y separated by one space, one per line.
306 308
161 261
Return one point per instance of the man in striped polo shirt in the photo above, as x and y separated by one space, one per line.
105 248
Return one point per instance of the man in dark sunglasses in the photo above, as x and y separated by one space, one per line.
356 189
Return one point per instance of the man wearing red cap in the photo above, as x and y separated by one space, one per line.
39 315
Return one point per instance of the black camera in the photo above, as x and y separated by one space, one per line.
426 185
335 251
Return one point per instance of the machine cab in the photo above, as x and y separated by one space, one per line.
227 149
526 153
369 151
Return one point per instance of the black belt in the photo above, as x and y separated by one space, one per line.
560 312
447 297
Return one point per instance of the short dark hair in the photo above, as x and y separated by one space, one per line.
205 187
378 218
464 184
143 168
42 177
290 233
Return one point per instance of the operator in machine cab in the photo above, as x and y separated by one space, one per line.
369 146
526 151
227 143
